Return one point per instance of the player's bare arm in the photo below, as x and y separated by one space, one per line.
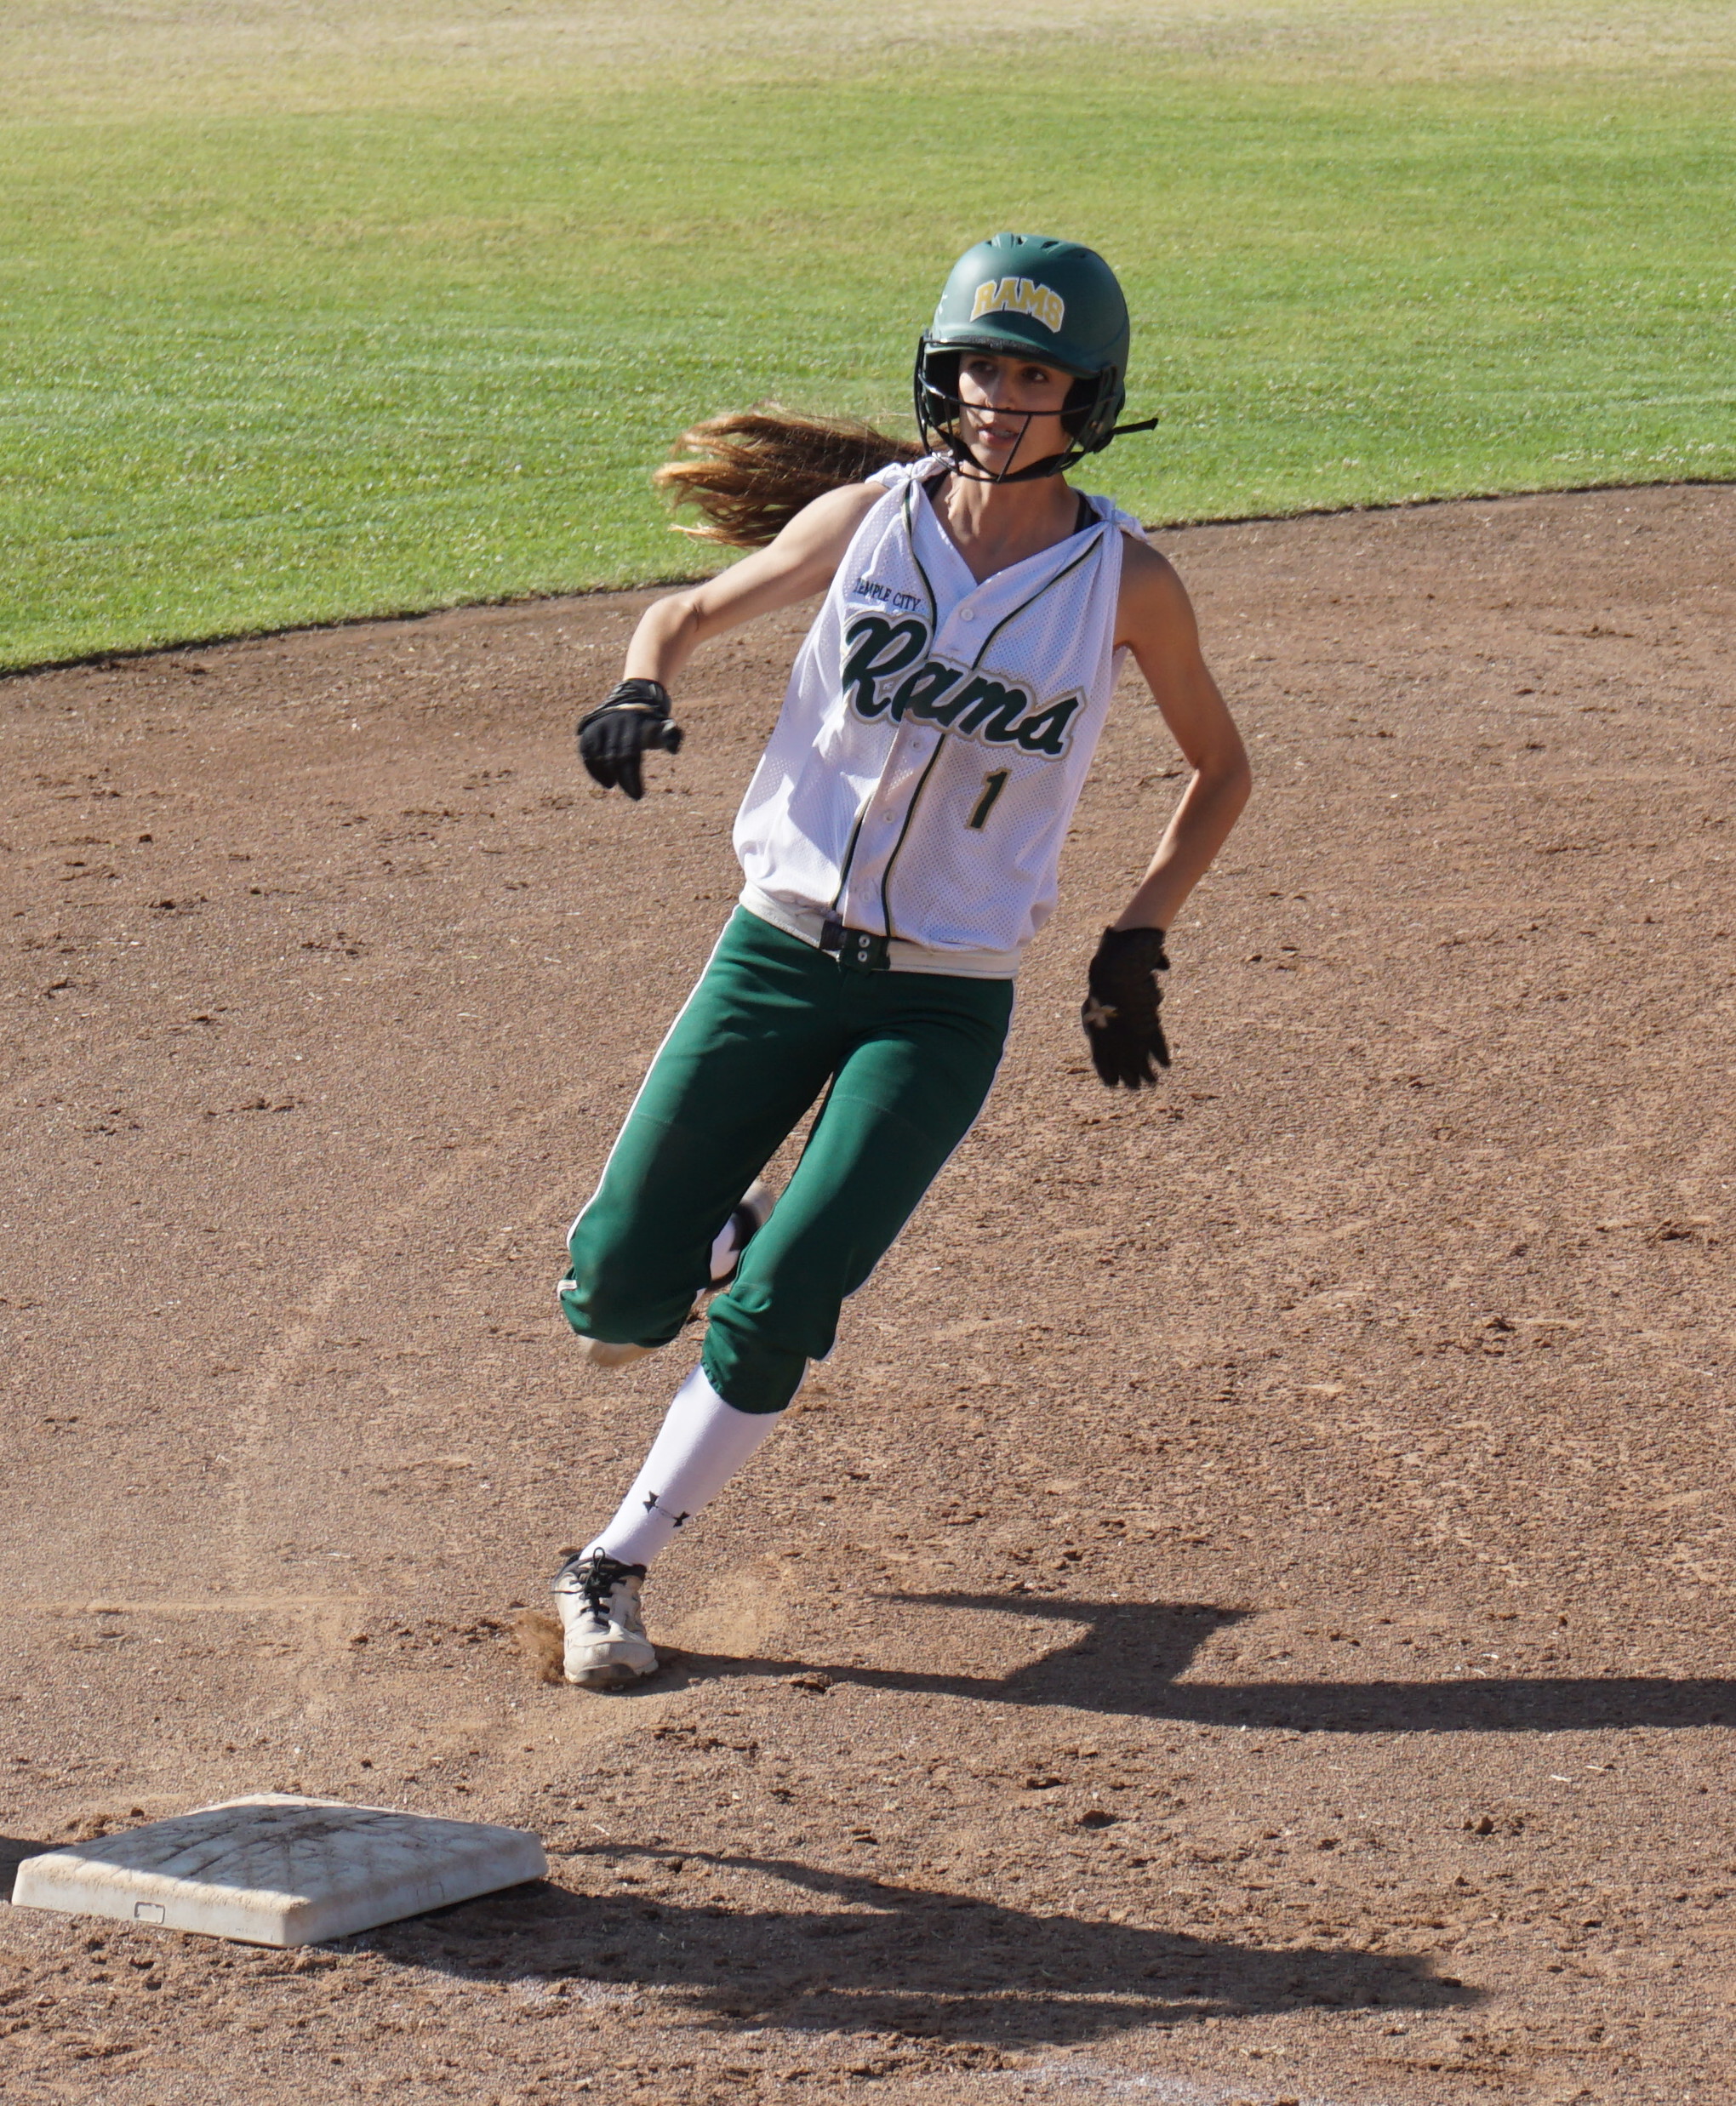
799 564
1120 1012
635 718
1157 623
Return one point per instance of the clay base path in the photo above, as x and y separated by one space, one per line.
1247 1612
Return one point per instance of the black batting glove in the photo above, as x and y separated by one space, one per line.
611 739
1120 1013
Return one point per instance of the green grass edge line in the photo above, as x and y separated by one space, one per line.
129 653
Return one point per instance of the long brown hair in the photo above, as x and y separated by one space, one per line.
751 470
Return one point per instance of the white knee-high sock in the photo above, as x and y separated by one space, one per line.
702 1443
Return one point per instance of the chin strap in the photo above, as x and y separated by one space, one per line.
967 465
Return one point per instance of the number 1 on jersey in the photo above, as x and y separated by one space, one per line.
992 786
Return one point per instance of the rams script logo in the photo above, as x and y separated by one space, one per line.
888 672
1020 296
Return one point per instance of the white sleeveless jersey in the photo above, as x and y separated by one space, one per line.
934 738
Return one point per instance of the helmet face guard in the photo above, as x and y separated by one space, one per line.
1054 303
1088 415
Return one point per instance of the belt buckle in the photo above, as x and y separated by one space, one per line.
855 947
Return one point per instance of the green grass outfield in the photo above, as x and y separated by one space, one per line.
302 322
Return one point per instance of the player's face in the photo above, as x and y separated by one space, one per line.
1010 409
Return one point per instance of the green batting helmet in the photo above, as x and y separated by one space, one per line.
1026 295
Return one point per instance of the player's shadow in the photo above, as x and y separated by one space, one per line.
842 1951
1130 1657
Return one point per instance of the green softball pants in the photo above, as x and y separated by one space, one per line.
904 1060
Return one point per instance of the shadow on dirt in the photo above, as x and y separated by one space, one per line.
13 1850
868 1955
1128 1657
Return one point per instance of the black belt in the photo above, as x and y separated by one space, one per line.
855 947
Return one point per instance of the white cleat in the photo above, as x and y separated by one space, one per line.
598 1599
601 1353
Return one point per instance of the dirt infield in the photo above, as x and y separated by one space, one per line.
1244 1616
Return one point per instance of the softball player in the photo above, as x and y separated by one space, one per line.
900 842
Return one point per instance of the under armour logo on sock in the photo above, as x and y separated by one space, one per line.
652 1507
